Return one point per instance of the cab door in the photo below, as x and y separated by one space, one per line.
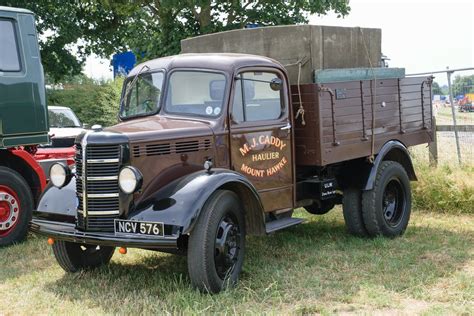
260 135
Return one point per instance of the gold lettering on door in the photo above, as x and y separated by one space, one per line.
255 156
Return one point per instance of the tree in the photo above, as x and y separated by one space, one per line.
463 85
72 29
93 103
436 88
168 22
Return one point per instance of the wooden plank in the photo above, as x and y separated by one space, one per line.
379 115
357 110
326 105
433 148
450 128
357 134
355 93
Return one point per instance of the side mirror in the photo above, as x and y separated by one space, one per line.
276 84
85 125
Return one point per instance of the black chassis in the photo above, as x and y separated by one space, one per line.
177 206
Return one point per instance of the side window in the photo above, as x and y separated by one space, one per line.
9 57
254 98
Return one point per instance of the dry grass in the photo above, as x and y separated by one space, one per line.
448 189
444 116
313 268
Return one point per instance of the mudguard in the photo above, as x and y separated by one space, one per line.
59 204
177 204
180 202
391 150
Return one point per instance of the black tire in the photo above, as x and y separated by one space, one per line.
212 268
16 207
74 257
352 211
386 208
320 207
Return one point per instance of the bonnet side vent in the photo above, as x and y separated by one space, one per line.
158 149
186 147
136 151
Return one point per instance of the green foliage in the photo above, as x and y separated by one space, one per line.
70 30
168 22
445 189
92 103
463 84
436 89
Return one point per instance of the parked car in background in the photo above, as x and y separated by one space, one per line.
64 126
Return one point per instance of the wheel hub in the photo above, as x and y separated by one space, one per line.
226 246
393 202
9 209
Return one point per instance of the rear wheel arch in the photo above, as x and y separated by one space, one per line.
403 158
391 151
24 168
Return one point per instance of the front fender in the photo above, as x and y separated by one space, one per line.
59 204
180 202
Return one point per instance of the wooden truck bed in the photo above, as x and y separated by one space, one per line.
339 121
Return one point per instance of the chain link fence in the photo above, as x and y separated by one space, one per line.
454 136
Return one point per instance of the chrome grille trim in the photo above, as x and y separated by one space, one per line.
113 212
84 174
97 185
103 195
108 178
102 160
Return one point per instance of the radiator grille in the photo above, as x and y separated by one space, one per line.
97 187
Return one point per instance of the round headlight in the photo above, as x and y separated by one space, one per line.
130 179
59 175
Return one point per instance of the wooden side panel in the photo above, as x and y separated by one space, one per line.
340 124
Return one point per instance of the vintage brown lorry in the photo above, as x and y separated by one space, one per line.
209 149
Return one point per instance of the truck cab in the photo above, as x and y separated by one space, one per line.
204 155
23 122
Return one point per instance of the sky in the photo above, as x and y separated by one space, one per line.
418 35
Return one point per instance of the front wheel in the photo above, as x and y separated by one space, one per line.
217 243
74 257
386 208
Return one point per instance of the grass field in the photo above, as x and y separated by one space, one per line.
312 268
444 116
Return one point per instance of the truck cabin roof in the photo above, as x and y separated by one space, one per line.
222 62
15 10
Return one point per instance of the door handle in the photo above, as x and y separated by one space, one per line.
286 127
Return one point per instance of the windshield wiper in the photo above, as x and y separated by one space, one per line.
129 86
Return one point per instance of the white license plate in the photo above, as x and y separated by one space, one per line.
126 227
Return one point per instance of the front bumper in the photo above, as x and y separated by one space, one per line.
68 232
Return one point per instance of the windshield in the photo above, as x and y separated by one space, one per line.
196 93
63 118
144 96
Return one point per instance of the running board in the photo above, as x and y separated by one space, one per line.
282 223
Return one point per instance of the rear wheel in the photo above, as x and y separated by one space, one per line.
386 208
352 210
74 257
16 206
216 244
